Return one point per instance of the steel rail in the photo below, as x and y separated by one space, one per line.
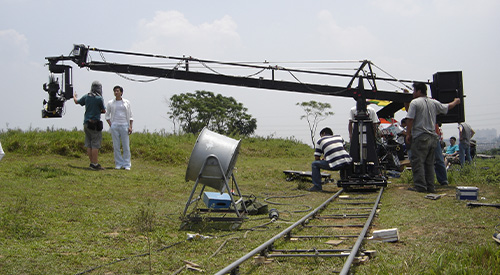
322 236
357 245
269 242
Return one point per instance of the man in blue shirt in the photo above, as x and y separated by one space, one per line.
92 124
451 153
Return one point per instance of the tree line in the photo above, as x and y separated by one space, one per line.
191 112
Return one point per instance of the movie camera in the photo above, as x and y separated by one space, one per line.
54 107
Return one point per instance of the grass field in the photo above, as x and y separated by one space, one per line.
59 217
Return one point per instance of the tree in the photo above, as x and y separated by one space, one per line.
224 115
315 113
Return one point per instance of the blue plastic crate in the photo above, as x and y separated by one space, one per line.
467 193
216 200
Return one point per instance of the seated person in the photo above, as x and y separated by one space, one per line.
335 156
402 137
443 145
473 148
451 153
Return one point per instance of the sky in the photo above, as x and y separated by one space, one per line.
404 38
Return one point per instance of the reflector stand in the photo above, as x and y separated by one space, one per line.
208 169
211 164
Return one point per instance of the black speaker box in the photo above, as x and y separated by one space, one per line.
445 87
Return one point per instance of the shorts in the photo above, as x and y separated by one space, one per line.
93 138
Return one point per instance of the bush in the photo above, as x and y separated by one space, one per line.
160 147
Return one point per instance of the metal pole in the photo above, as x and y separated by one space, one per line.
236 263
357 245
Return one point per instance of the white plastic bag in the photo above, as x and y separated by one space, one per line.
1 152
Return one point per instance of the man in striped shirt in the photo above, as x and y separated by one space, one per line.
335 157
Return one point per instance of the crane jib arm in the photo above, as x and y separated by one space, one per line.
445 87
260 83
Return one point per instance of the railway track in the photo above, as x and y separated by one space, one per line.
336 229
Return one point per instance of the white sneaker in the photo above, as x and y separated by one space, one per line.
127 168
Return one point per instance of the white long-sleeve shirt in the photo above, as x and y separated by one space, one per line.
111 110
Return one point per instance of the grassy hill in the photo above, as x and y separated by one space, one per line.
58 217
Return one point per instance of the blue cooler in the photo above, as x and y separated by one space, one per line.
216 200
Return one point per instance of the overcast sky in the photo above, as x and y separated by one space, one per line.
408 39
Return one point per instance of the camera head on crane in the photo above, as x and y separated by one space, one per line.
54 107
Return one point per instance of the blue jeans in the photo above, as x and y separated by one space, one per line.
316 167
119 133
464 153
422 161
439 167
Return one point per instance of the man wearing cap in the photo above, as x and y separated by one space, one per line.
92 124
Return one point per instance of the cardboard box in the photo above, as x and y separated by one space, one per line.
216 200
385 235
467 193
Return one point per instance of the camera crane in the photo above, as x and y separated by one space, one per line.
366 170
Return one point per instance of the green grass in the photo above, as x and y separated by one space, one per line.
440 236
58 217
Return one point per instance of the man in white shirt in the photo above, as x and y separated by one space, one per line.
372 114
120 120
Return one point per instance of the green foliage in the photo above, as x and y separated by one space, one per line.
218 113
315 113
406 177
150 146
274 148
161 148
494 151
158 147
481 171
145 218
478 260
44 142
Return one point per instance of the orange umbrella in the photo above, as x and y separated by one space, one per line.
387 121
